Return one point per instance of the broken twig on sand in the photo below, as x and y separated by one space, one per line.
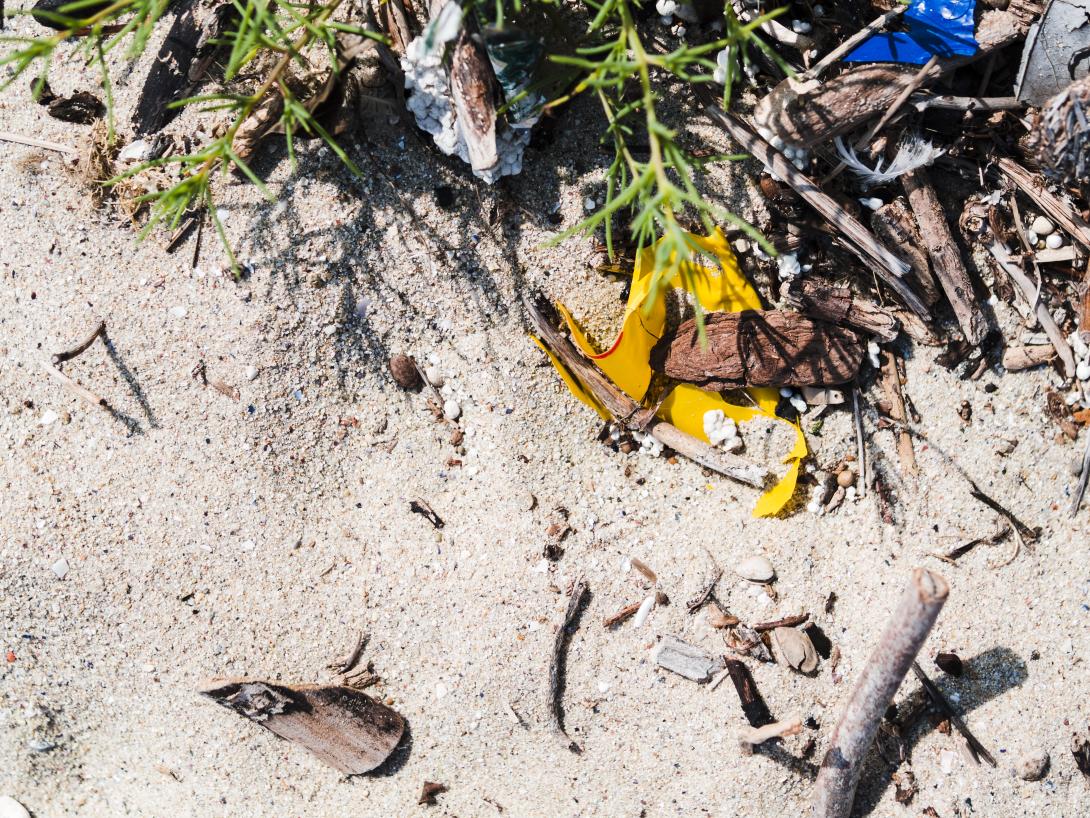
555 714
834 791
81 347
947 709
76 387
750 737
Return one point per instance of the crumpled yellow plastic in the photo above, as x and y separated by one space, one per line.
719 285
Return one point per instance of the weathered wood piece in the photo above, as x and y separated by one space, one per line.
891 385
753 705
760 348
1016 359
834 791
1033 186
625 410
474 89
894 224
346 729
686 660
945 258
839 305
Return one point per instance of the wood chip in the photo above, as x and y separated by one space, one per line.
686 660
346 729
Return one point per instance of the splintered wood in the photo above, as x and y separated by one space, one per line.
346 729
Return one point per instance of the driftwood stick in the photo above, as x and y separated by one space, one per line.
891 385
752 736
839 305
982 104
1044 317
894 224
945 258
555 661
81 347
834 791
1054 207
753 706
861 241
75 387
624 409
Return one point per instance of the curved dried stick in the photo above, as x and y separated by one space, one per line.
81 347
883 674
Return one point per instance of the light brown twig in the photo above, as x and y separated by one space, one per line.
75 387
891 385
81 347
555 714
834 791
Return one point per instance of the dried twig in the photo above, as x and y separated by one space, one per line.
860 443
7 136
753 736
1033 186
555 709
622 614
349 661
75 387
81 347
882 675
947 709
421 507
786 622
623 408
697 602
818 68
891 385
753 706
1083 479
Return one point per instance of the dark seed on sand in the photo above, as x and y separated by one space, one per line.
950 663
404 370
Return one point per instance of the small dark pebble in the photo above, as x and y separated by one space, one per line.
965 411
950 663
404 370
431 789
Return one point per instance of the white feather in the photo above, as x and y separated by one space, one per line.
914 152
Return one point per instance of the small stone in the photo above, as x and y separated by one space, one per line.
451 410
950 663
251 373
48 417
588 204
40 745
1054 241
440 690
1076 467
404 370
1042 226
756 569
435 377
845 478
1082 371
60 568
179 312
1032 765
10 808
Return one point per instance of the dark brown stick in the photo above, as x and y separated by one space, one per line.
945 258
753 706
834 791
947 709
555 708
622 614
861 241
624 409
786 622
81 347
893 223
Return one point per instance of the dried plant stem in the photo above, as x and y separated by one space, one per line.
1055 208
818 68
33 142
555 661
752 736
81 347
75 387
834 790
1083 479
891 385
860 443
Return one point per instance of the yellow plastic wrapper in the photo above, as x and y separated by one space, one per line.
719 286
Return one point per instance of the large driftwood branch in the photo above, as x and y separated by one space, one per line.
834 791
945 258
861 241
625 410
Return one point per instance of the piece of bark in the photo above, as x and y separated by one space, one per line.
686 660
625 410
1016 359
945 257
891 386
893 223
839 305
810 112
473 89
753 705
346 729
760 348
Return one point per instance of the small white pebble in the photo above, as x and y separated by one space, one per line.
801 27
179 312
588 204
329 329
48 417
1054 241
872 203
440 690
799 404
10 808
60 568
452 410
1082 371
756 569
603 687
251 373
435 377
1032 238
1042 226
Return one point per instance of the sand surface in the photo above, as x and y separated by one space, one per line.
206 536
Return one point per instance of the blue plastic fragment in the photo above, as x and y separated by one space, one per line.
936 28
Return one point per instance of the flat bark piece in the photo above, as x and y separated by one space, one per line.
473 89
760 348
345 728
894 224
687 660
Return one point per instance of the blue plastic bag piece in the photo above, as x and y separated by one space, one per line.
936 28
